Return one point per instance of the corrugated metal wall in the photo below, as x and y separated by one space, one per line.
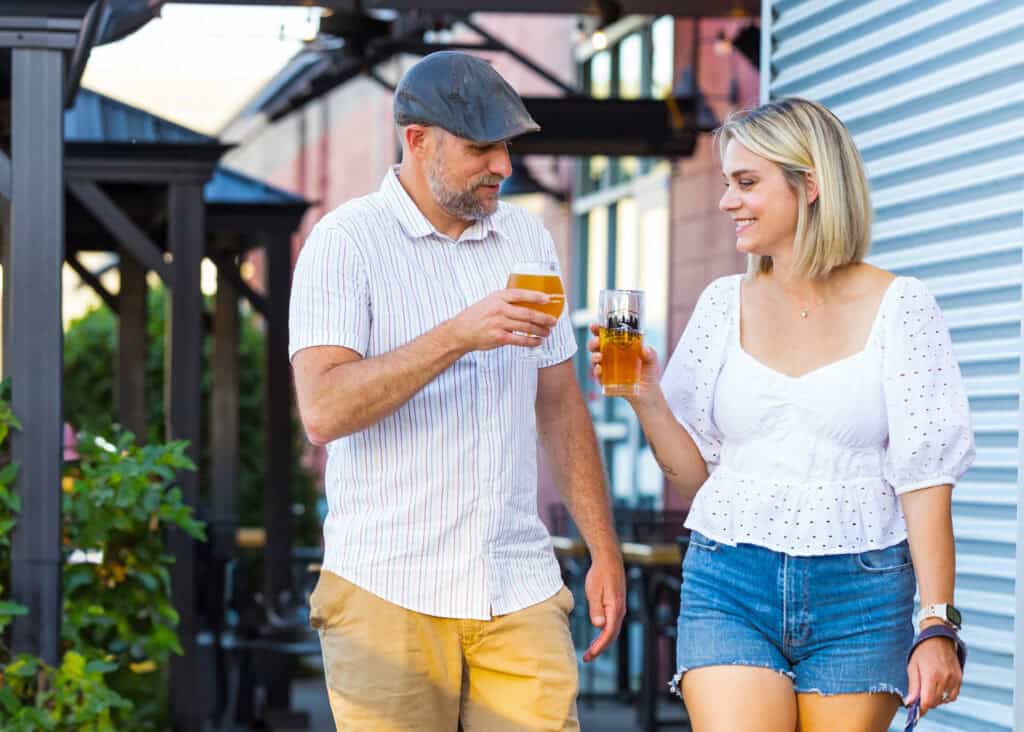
933 93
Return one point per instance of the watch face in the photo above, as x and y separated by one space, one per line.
953 615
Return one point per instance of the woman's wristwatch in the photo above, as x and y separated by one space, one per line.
943 611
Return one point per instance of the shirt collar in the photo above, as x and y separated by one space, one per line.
417 225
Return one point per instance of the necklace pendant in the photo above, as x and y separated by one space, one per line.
803 312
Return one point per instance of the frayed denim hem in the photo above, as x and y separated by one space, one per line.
674 684
876 689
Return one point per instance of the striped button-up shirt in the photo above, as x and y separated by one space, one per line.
434 508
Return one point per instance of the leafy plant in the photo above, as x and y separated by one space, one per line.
89 354
117 587
73 696
10 506
33 695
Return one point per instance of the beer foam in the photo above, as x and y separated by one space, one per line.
537 269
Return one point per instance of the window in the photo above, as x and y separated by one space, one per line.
597 255
631 86
623 238
600 65
662 56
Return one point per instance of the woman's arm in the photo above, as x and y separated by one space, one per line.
673 447
671 444
929 517
933 669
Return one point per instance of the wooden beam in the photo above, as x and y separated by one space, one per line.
680 8
551 78
227 270
5 176
33 340
224 420
182 406
132 348
127 234
277 491
583 126
109 299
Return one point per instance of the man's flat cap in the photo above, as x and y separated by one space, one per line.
464 95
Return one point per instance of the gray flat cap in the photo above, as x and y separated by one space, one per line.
464 95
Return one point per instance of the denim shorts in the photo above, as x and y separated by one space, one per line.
837 624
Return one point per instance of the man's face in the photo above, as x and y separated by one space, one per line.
464 176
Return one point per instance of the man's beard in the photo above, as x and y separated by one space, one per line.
462 204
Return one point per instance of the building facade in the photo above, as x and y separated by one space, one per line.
625 222
933 93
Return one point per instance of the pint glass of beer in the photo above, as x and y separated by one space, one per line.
542 277
620 323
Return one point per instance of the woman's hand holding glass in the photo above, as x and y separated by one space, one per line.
648 389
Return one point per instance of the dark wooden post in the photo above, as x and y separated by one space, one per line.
33 339
131 347
277 513
183 399
277 494
224 421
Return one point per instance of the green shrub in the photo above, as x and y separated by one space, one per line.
90 348
117 503
119 625
33 695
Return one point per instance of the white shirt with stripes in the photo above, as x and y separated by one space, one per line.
434 508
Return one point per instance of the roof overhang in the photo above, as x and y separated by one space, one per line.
584 126
681 8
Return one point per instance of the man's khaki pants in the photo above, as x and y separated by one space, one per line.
389 668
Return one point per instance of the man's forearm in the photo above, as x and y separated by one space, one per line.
354 395
567 434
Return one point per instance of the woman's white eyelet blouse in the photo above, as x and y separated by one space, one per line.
814 464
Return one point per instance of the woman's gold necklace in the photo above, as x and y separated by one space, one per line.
808 308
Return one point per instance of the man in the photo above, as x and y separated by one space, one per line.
440 601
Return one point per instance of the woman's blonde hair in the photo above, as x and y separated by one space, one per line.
801 137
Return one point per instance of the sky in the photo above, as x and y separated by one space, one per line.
197 65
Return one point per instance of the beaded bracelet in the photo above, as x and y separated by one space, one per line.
933 631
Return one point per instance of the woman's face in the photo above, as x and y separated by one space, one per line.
759 201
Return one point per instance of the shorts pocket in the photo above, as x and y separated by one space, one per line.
327 600
699 541
894 558
565 600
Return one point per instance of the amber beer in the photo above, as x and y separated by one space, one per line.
540 277
547 283
620 361
621 341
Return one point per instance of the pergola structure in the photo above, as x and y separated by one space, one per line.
152 192
147 202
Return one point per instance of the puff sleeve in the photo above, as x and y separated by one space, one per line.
692 372
931 441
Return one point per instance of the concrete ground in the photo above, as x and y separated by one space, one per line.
597 715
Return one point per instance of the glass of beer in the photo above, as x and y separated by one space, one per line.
541 276
620 323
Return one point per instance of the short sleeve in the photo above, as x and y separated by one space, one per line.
330 303
930 437
561 344
692 372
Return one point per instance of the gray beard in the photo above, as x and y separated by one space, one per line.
460 204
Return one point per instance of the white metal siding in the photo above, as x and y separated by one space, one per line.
933 93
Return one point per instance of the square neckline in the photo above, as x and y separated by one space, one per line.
737 342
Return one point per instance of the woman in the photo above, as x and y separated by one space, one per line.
816 405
